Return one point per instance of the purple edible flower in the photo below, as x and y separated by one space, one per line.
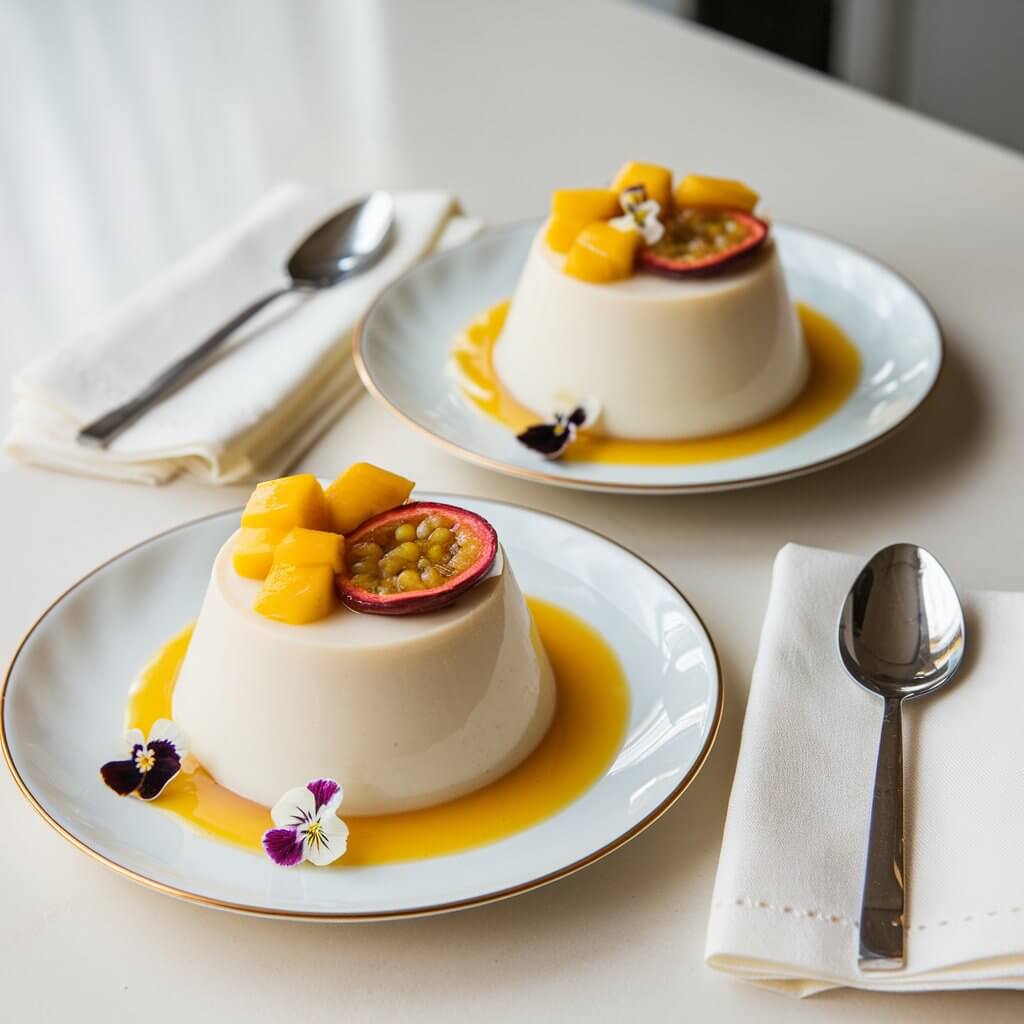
307 827
151 763
552 439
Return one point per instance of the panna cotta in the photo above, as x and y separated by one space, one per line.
668 312
402 711
664 358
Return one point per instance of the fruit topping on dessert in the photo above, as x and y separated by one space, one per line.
363 491
695 190
312 547
254 549
572 209
655 180
704 241
359 539
296 594
606 235
602 253
287 502
416 558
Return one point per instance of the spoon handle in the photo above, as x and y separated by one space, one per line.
102 431
882 905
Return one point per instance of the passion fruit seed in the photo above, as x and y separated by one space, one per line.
384 563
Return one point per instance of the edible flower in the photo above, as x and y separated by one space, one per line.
152 763
551 439
307 826
639 214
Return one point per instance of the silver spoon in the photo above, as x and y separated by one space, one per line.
901 635
343 246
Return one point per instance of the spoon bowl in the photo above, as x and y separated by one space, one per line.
901 632
346 243
901 636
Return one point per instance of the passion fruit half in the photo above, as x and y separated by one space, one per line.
415 558
699 241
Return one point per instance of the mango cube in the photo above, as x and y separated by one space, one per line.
695 190
297 594
657 180
254 548
602 254
364 490
312 547
572 209
286 502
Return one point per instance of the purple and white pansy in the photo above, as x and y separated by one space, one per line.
151 763
307 826
551 439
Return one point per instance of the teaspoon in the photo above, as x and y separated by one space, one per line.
901 635
343 246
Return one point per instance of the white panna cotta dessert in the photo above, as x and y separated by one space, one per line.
403 709
712 349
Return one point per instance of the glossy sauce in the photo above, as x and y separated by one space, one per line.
835 370
587 732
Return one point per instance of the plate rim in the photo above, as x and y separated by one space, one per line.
425 910
617 487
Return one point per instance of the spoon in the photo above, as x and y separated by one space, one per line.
343 246
901 635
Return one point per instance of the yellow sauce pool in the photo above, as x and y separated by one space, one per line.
835 370
587 732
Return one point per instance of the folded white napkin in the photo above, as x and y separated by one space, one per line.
788 889
283 378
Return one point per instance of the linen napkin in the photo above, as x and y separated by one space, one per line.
280 381
787 894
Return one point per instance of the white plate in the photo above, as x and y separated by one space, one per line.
64 696
402 348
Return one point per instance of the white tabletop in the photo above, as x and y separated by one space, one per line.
132 130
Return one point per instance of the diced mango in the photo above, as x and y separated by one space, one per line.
297 594
312 547
364 490
572 209
286 502
602 254
695 190
254 548
657 180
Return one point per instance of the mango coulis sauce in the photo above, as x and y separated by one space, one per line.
590 721
834 373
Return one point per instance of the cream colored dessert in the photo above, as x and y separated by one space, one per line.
664 358
403 711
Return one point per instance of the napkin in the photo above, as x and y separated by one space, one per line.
278 383
787 894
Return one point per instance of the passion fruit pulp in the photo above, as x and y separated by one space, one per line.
704 241
415 558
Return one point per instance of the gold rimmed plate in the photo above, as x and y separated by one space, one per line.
64 695
402 350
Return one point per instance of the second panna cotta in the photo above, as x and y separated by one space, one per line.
668 312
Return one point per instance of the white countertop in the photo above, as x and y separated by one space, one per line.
132 130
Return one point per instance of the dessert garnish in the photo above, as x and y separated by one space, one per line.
307 826
640 214
553 438
703 241
704 227
395 560
416 558
152 763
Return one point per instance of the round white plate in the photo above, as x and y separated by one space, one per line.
402 348
64 696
